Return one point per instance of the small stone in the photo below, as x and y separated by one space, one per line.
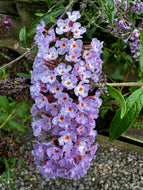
130 159
81 187
74 183
114 174
21 188
106 186
93 179
110 162
58 182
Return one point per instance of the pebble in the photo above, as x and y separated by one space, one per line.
110 162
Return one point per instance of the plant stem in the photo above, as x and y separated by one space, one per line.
125 84
15 60
8 118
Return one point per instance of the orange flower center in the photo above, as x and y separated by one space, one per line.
79 114
68 82
61 118
69 109
87 54
82 104
88 65
67 138
57 89
74 46
73 56
64 98
56 151
82 75
80 89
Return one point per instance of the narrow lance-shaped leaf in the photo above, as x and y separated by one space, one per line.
5 56
128 3
12 187
4 103
141 53
119 97
134 104
46 18
17 125
48 4
22 37
34 49
102 4
110 5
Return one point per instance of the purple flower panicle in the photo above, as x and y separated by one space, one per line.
64 113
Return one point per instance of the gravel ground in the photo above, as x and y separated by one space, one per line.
115 168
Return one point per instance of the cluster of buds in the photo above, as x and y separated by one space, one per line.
5 26
137 6
66 105
10 149
16 87
125 28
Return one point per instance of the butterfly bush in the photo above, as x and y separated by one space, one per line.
125 28
66 105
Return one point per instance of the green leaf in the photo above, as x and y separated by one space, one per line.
116 75
110 5
48 3
6 164
34 49
39 14
128 4
119 97
4 103
21 112
134 104
17 125
21 162
8 118
7 177
3 116
22 37
102 4
141 52
53 20
13 162
2 177
24 75
12 187
46 18
5 56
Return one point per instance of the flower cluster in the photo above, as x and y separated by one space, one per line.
16 87
66 105
5 26
137 6
125 28
10 149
